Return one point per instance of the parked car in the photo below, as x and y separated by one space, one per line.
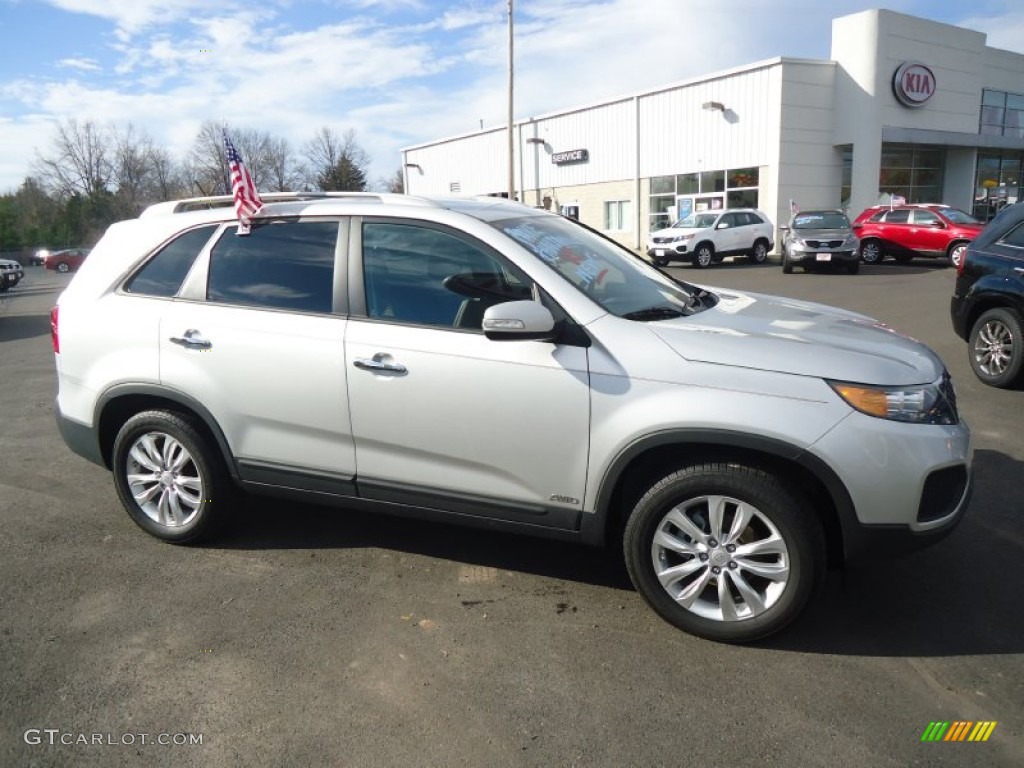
66 260
987 307
39 257
707 237
906 231
11 273
815 239
482 362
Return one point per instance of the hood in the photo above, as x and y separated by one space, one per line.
822 234
750 330
677 231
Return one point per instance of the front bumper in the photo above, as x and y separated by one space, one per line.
666 250
823 256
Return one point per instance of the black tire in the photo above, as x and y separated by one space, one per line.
683 493
956 252
787 265
63 267
853 268
871 252
660 261
996 348
759 253
214 495
703 255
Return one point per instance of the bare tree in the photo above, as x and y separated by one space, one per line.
207 162
282 170
268 159
336 163
396 183
80 162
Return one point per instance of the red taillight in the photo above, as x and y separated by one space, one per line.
54 334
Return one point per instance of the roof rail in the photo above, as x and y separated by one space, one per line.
223 201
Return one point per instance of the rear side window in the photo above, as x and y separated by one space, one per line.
163 274
897 217
280 264
1014 237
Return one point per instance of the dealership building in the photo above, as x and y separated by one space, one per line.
905 106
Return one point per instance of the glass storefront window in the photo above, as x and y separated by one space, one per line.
712 181
743 177
997 182
993 98
912 172
688 184
741 198
661 185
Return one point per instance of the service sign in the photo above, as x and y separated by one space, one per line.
913 84
572 156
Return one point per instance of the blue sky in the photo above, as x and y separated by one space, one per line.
398 72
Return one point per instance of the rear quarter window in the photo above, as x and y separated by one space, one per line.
164 273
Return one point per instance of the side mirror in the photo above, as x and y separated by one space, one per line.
723 225
937 224
519 321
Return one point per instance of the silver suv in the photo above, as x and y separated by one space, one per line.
483 362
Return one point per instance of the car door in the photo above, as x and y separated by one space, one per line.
728 234
896 230
256 336
442 417
928 232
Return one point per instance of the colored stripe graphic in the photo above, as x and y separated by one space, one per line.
958 730
934 731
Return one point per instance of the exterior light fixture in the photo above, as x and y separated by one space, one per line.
713 106
535 141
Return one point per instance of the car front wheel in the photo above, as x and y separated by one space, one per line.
63 267
956 253
996 347
703 255
170 480
724 551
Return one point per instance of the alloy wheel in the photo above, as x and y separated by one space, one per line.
164 480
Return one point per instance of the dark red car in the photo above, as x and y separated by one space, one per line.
64 261
906 231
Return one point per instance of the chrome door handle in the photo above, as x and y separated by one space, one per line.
377 365
191 339
1019 269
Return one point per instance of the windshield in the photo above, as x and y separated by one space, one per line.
606 272
696 221
821 220
958 217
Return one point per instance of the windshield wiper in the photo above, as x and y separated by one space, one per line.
654 313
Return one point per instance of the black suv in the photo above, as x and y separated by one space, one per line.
988 302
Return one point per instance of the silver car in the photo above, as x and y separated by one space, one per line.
820 240
482 362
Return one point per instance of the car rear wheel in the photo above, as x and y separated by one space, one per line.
170 480
996 345
871 252
956 253
724 551
703 255
759 253
63 267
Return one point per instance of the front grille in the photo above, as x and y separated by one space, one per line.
824 243
662 240
943 490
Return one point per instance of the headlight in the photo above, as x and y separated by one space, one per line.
681 238
851 239
920 404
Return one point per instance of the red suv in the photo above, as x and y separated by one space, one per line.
906 231
69 259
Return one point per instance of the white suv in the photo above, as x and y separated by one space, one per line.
707 237
482 362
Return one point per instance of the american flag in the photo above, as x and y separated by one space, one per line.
247 197
794 209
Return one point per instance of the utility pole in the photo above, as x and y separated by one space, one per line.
511 117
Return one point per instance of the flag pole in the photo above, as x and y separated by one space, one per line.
511 145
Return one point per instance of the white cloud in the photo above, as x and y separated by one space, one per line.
86 65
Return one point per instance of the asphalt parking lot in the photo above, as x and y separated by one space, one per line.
311 636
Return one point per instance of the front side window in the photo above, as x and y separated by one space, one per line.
280 264
607 273
424 276
925 217
163 274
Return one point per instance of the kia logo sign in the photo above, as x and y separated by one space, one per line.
913 84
